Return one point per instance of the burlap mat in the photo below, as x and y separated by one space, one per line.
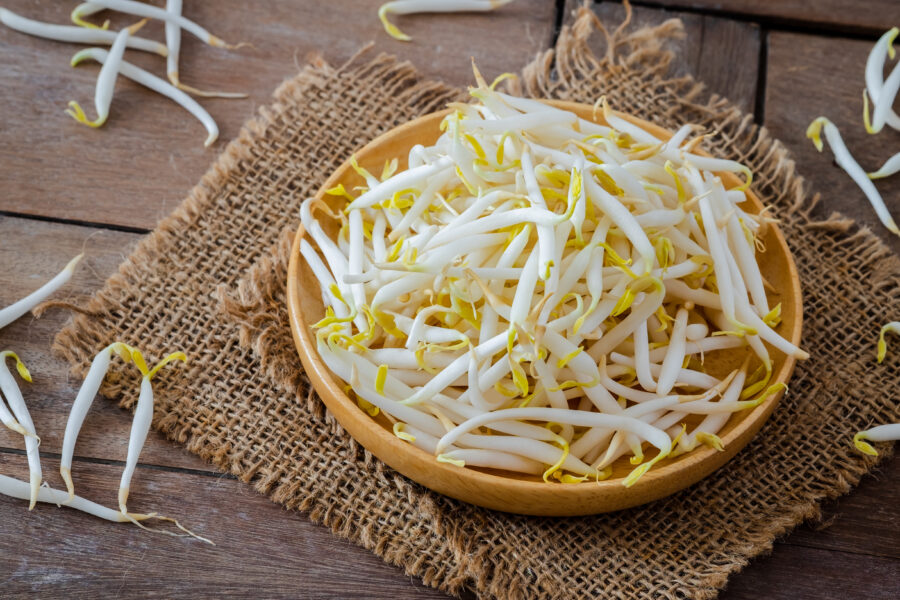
244 404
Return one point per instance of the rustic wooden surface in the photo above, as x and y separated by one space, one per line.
64 187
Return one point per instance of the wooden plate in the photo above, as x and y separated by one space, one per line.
522 493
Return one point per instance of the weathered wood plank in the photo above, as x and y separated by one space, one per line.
810 76
834 15
722 53
140 165
811 574
261 551
31 253
866 521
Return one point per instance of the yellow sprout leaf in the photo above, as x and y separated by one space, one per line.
406 437
443 458
711 440
24 373
367 406
173 356
863 446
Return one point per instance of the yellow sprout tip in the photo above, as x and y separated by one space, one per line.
76 112
863 446
711 440
389 27
814 132
443 458
171 357
636 474
892 35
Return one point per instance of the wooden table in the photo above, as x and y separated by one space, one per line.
64 187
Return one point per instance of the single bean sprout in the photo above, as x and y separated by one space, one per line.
409 7
846 161
106 81
140 426
538 293
173 43
16 402
26 304
881 433
78 35
14 488
148 11
157 85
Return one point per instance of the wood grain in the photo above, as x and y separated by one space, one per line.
722 53
836 15
261 551
797 573
142 163
810 76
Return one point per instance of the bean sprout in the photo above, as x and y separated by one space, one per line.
140 426
846 161
17 404
157 85
537 293
409 7
173 43
78 35
106 81
881 433
26 304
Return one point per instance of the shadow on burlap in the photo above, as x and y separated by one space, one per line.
210 280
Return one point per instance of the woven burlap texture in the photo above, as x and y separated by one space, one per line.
210 280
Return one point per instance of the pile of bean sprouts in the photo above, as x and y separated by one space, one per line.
539 293
883 93
84 32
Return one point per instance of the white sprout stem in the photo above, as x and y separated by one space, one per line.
140 427
846 161
106 83
151 12
885 100
573 417
13 396
16 488
26 304
74 34
173 42
78 412
674 356
890 167
158 85
495 459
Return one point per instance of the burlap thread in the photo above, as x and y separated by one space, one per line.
210 280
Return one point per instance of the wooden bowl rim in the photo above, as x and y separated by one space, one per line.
410 460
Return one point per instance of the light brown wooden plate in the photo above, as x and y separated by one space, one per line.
521 493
